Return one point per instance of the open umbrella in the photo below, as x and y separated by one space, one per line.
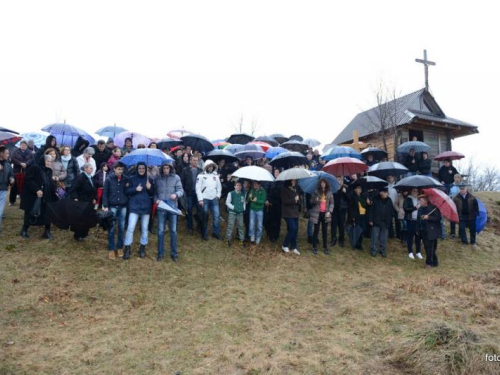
2 129
137 139
294 174
265 146
309 185
66 134
372 182
267 139
294 145
198 142
280 138
234 148
482 218
253 173
274 151
419 182
296 138
311 142
450 155
168 143
7 138
387 168
218 155
151 156
38 138
240 138
288 159
376 152
178 133
415 145
69 214
341 152
253 151
344 167
443 203
111 131
328 147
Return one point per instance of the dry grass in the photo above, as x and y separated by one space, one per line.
66 309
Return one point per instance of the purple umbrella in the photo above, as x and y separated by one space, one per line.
137 139
66 134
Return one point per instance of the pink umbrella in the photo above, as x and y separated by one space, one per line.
265 146
137 139
451 155
178 133
443 203
345 167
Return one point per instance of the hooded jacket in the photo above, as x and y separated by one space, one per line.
80 145
139 201
166 185
208 185
41 151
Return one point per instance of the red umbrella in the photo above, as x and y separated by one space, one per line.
345 167
7 138
265 146
452 155
443 203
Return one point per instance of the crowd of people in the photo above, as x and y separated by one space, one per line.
203 189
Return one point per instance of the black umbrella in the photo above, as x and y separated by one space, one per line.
296 138
280 138
197 142
387 168
354 231
419 182
376 152
371 182
217 155
288 160
168 143
240 138
268 140
69 214
7 130
297 146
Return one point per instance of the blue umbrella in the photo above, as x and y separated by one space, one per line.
415 145
234 148
341 152
274 151
151 156
169 206
37 138
309 185
110 131
482 218
66 134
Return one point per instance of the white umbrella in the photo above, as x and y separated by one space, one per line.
294 174
253 173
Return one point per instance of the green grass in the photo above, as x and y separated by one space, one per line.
65 308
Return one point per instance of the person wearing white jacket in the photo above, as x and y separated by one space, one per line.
208 192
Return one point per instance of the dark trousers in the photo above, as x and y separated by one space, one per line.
13 193
361 222
338 222
453 229
430 252
191 203
273 227
396 224
462 230
324 231
411 234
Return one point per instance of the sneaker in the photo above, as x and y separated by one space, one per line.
285 249
111 255
419 256
410 255
296 252
120 253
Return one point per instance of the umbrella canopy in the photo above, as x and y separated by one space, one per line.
419 182
294 174
170 206
168 143
234 148
444 204
376 152
137 139
280 138
218 155
253 151
328 147
253 173
341 152
7 138
66 134
296 138
240 138
267 139
344 167
111 131
198 142
68 214
178 133
482 218
288 159
311 142
274 151
38 138
2 129
151 156
451 155
372 182
309 185
221 145
294 145
415 145
265 146
387 168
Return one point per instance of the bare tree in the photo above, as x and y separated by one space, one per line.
480 177
254 126
489 179
240 126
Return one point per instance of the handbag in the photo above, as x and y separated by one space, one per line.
36 211
60 190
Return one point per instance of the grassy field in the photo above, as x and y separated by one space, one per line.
66 309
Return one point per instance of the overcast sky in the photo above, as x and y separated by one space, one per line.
289 67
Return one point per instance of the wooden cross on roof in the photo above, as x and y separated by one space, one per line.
426 65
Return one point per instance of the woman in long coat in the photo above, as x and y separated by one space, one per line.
321 213
84 190
38 184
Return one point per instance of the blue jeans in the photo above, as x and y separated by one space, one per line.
213 206
132 221
3 200
120 215
191 202
172 229
310 229
256 218
292 227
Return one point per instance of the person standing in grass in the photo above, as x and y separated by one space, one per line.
208 190
340 203
290 208
257 199
83 190
380 217
429 227
358 206
468 210
6 179
322 205
235 203
454 190
411 206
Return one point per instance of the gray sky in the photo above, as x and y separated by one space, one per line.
290 67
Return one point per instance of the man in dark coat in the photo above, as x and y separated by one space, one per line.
380 217
429 226
6 179
341 203
411 162
357 210
468 210
447 174
425 165
188 180
102 153
21 158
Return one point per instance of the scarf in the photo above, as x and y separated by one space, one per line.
65 160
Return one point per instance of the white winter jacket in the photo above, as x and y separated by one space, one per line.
208 185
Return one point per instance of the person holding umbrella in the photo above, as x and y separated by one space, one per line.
322 205
358 206
468 210
102 153
273 207
188 178
380 218
429 228
340 206
290 207
208 191
425 165
21 158
6 179
411 162
411 206
446 174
